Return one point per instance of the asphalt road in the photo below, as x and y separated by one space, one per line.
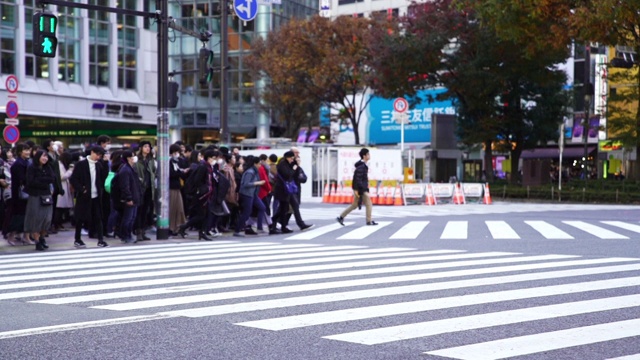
525 281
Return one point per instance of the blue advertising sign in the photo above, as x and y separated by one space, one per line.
383 128
246 9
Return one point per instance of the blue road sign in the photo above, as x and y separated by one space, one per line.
246 9
12 109
11 134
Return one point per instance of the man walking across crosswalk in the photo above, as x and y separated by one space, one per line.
360 185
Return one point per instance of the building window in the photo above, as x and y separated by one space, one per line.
127 46
99 35
35 66
7 36
69 22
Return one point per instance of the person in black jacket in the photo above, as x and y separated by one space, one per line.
286 171
129 195
40 187
178 170
17 203
88 181
360 185
199 189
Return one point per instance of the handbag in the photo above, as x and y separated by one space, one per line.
46 200
289 186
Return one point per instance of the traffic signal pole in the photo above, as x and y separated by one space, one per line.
164 23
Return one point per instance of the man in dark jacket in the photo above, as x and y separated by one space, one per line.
360 185
88 181
130 195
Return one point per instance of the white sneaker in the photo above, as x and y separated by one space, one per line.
84 232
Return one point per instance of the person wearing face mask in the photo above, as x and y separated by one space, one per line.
88 181
199 189
128 196
217 205
176 174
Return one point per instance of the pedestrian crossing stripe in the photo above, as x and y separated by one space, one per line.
248 289
459 230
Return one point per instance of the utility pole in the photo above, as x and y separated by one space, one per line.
225 135
162 232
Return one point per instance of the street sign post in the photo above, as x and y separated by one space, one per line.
11 84
12 109
11 134
246 9
400 106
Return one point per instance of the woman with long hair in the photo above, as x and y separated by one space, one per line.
145 166
18 201
40 184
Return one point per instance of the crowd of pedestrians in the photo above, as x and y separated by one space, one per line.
104 194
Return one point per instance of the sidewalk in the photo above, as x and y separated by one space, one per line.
63 240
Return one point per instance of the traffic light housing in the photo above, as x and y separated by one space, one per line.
45 42
205 64
172 94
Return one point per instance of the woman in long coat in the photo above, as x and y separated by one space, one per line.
65 202
40 183
17 204
285 173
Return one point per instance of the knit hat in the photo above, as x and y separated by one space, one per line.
143 143
289 154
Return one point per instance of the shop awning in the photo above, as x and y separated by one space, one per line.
554 153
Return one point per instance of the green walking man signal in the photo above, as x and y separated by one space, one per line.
45 42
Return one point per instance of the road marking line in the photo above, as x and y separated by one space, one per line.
501 230
623 225
363 294
217 265
532 344
474 322
628 357
363 231
455 230
178 256
248 282
547 230
81 325
377 311
312 234
410 231
594 230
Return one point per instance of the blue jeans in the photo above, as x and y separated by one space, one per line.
127 222
247 203
112 219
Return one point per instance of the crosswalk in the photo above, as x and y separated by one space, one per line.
514 304
441 229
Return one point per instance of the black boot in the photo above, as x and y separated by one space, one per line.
43 242
39 246
203 236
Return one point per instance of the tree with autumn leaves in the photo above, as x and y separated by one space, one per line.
312 62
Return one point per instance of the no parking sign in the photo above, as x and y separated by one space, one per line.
11 134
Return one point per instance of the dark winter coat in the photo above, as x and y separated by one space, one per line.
18 180
197 184
175 174
54 165
129 185
81 181
39 180
361 177
285 173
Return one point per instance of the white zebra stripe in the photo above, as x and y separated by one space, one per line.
532 344
547 230
501 230
595 230
455 230
363 231
410 231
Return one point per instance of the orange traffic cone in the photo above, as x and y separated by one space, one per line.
389 199
333 197
430 199
397 198
373 195
326 194
487 194
458 196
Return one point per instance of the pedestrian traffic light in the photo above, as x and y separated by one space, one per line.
205 64
45 42
172 94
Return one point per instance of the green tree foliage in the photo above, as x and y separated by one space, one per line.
314 61
504 93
